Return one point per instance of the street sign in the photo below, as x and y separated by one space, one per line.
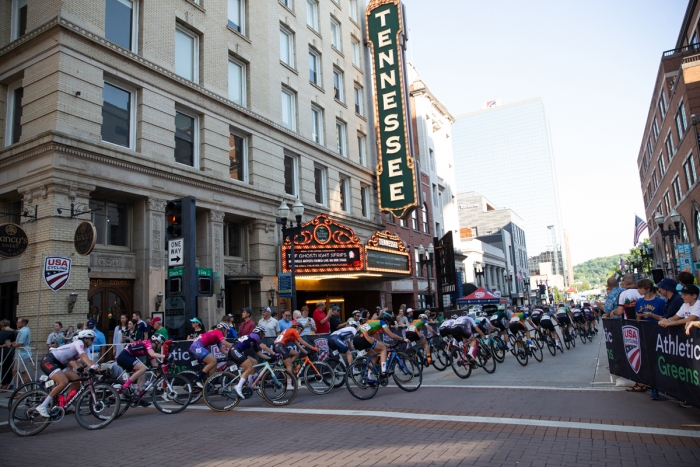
175 272
175 252
284 284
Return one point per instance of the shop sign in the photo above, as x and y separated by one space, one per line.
324 246
684 252
396 175
13 240
84 238
57 271
386 252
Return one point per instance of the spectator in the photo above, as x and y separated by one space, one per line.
271 325
118 335
321 318
70 333
97 348
690 311
409 315
377 312
57 338
228 319
157 324
674 301
197 329
628 298
7 353
309 325
286 321
355 319
685 277
24 364
614 290
649 307
131 334
79 327
142 327
401 319
296 315
247 325
335 320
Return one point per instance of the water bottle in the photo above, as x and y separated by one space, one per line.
61 401
71 395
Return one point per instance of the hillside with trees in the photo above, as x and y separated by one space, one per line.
593 273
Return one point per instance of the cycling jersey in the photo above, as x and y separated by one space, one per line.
448 323
210 338
561 312
546 317
499 315
288 336
138 348
250 341
464 321
373 327
536 316
347 332
68 352
517 317
415 325
577 312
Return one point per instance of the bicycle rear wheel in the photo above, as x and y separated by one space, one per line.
485 359
407 373
219 392
539 338
356 380
24 418
567 339
520 351
23 389
441 360
339 371
93 414
460 364
551 345
190 376
537 353
321 380
582 335
274 387
172 394
498 349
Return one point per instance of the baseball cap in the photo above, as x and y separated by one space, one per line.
356 312
156 320
248 310
265 308
691 289
667 284
335 307
90 324
196 320
408 310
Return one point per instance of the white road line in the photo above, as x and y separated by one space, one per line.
538 388
642 430
4 423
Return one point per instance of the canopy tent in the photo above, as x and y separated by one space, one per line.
480 296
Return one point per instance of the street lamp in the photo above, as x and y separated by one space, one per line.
674 232
427 260
271 297
508 278
291 232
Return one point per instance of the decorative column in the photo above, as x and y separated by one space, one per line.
210 254
263 253
150 250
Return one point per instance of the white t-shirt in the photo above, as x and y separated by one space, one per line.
687 310
628 298
68 352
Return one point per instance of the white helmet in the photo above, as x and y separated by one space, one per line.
87 334
223 325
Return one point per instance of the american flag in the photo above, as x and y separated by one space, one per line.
623 263
639 226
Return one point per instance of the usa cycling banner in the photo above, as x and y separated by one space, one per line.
663 358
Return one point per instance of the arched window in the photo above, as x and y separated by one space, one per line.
426 225
697 225
414 220
684 233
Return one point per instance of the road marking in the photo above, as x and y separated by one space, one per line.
4 423
538 388
642 430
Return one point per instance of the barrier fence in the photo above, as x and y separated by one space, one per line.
664 358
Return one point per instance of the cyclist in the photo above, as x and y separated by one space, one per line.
341 340
547 321
414 334
239 353
284 346
535 317
199 349
563 316
499 320
578 317
517 324
589 316
55 366
445 329
462 328
366 339
129 360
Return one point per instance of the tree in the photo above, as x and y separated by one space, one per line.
558 295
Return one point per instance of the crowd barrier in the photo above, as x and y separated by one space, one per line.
664 358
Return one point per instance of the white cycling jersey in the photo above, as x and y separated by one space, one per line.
68 352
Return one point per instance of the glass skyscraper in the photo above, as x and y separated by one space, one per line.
505 153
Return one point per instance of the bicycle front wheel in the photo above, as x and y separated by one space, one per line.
279 387
190 376
338 370
520 351
98 412
498 349
219 392
357 381
486 360
319 378
460 364
408 373
24 418
551 345
441 359
582 335
172 394
567 340
537 353
23 389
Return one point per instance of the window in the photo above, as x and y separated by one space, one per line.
236 15
655 129
286 47
684 233
359 104
694 40
426 224
654 180
13 125
290 175
320 184
356 53
431 156
19 19
338 85
238 157
335 35
344 188
662 104
697 225
390 218
650 147
186 139
649 191
677 192
362 149
364 200
315 67
439 205
289 112
186 54
414 220
662 166
120 23
287 3
118 115
312 14
237 82
667 203
402 222
354 12
341 138
689 169
670 151
316 124
233 239
681 122
435 198
111 221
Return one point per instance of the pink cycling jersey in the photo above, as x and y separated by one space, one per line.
139 348
211 338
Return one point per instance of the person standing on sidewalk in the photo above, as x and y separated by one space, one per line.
24 364
271 325
7 353
247 325
322 318
674 301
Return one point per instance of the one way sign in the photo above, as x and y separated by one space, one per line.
175 256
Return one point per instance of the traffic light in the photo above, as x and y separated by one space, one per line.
173 216
175 286
205 286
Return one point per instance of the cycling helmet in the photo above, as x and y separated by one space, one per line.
296 324
423 317
465 313
259 330
158 338
454 317
356 312
86 334
386 316
354 324
223 325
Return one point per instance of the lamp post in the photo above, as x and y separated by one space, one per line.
427 260
647 255
508 279
271 297
291 232
674 232
478 272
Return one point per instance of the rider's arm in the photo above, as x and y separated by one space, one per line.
481 333
225 343
393 336
305 344
84 358
153 354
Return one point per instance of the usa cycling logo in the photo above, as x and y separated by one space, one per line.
322 345
630 335
56 271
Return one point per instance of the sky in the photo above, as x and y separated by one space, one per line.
594 65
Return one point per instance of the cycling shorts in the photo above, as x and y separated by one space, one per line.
50 365
127 361
498 323
547 324
282 349
198 350
564 320
336 343
413 336
579 319
536 320
461 332
362 343
445 332
590 317
236 356
516 327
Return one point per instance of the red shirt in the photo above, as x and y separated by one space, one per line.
321 328
246 328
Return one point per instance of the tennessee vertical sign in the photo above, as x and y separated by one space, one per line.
395 169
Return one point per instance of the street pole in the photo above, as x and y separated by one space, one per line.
294 273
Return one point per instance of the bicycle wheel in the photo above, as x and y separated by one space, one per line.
23 389
567 339
591 335
274 387
98 412
172 394
486 360
539 338
24 418
321 380
460 364
338 370
356 380
537 353
582 335
190 375
407 373
219 392
551 345
441 360
498 349
520 351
